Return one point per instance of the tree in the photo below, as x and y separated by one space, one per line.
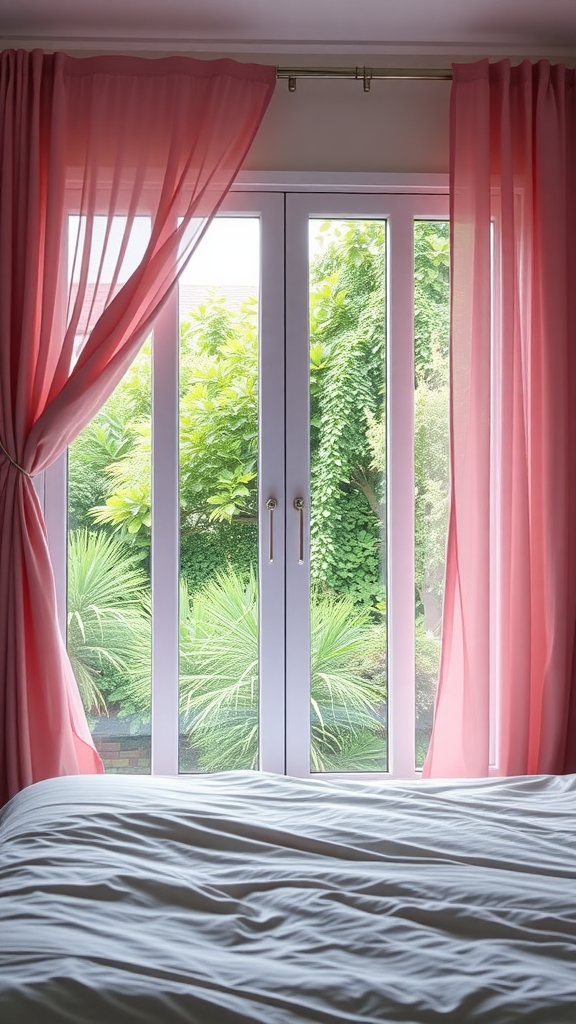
348 341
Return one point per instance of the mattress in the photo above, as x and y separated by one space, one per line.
246 897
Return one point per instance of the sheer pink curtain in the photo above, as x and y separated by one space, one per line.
86 145
507 692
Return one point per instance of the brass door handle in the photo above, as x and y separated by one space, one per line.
299 506
271 504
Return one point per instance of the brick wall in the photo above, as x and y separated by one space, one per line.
124 754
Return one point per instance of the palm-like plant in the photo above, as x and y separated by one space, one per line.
219 680
107 623
346 727
219 671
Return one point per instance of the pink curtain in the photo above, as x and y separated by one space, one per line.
110 170
507 692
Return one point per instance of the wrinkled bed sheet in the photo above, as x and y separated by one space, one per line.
246 897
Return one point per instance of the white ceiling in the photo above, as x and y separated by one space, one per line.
400 26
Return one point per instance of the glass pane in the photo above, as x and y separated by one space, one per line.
218 499
431 333
109 469
348 495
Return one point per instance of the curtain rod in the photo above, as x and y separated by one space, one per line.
364 75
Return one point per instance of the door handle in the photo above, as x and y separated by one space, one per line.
271 504
299 506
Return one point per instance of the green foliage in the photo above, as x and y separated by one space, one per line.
106 622
105 440
129 507
218 429
431 402
217 548
427 665
207 327
431 294
431 469
219 414
347 724
103 445
219 672
346 553
427 659
347 345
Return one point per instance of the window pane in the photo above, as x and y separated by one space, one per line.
218 499
431 333
348 495
109 470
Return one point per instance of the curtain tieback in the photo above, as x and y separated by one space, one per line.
15 464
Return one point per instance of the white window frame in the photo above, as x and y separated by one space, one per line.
284 608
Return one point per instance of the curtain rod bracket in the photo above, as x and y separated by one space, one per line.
367 78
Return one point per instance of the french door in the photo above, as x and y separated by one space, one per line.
260 496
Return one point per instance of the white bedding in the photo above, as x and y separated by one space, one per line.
245 897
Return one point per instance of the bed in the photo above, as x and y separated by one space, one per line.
246 897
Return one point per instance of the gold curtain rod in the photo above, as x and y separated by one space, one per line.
364 75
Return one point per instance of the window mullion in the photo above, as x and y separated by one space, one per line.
165 540
400 390
298 635
271 485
